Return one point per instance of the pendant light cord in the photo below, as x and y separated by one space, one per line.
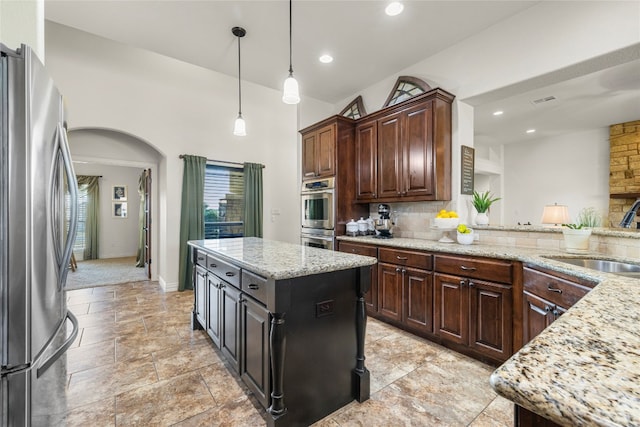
290 39
239 85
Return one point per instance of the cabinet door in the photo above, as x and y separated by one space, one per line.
490 329
371 297
326 151
201 295
366 165
254 368
418 291
213 318
451 308
390 291
417 148
309 155
230 324
537 314
389 156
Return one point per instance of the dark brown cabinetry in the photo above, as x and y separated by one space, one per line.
546 297
319 152
403 153
371 297
405 289
254 369
474 309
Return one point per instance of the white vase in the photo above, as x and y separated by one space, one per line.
482 218
576 241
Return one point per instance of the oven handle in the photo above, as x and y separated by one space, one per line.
313 236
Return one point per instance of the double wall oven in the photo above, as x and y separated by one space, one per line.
318 213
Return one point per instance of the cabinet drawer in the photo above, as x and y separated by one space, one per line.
353 248
228 272
554 289
476 268
408 258
200 258
254 285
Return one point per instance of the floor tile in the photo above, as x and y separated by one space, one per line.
181 359
90 356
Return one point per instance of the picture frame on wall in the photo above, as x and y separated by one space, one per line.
119 209
119 193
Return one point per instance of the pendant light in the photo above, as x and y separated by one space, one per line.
239 128
291 94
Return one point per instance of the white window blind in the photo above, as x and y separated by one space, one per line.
223 202
79 244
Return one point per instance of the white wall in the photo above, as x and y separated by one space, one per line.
569 170
22 22
118 237
178 109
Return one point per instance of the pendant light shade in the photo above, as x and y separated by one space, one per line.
239 127
291 94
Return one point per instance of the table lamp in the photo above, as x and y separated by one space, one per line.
555 214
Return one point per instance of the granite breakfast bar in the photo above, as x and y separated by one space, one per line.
289 319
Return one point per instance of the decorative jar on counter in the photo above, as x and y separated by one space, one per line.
352 228
362 227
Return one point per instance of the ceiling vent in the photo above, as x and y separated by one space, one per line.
543 100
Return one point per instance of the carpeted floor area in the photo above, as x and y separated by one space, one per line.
101 272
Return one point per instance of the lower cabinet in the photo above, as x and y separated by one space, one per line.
254 369
213 319
230 325
200 289
371 297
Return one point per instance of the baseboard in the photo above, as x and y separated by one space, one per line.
167 287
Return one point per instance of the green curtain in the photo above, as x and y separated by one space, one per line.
191 214
92 187
253 200
142 183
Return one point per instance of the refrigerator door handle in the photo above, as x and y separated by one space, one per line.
67 343
73 205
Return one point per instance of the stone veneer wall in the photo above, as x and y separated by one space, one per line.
624 168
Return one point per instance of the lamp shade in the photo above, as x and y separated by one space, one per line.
291 94
240 128
555 214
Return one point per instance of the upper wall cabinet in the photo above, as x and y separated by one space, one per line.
403 152
319 152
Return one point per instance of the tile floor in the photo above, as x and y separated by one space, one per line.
137 362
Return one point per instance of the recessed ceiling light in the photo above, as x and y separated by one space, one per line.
394 8
325 59
498 113
531 130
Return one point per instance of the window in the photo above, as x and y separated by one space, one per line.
355 109
78 245
223 202
406 87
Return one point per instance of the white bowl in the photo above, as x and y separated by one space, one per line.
446 223
465 238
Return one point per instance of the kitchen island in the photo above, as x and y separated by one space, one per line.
289 319
584 368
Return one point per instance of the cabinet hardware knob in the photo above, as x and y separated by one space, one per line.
471 284
212 265
374 195
254 286
556 312
397 269
465 268
547 308
404 270
230 274
200 258
550 288
401 258
462 283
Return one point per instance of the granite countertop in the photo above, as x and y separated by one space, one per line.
279 260
584 369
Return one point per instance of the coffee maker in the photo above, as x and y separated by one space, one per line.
384 225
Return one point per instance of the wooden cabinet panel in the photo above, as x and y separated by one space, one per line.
319 153
390 292
389 157
558 291
417 138
418 291
452 309
213 318
537 315
366 164
200 289
255 370
230 325
371 297
406 258
475 268
490 308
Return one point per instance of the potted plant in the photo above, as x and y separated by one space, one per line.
576 235
482 202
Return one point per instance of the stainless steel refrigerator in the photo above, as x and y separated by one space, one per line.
38 221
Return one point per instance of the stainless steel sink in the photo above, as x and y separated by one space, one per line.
607 266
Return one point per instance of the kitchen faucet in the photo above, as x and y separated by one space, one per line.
630 215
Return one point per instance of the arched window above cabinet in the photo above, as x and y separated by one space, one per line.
406 87
354 110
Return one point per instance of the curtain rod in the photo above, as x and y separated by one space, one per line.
181 156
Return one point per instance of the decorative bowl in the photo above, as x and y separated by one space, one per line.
465 238
446 223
